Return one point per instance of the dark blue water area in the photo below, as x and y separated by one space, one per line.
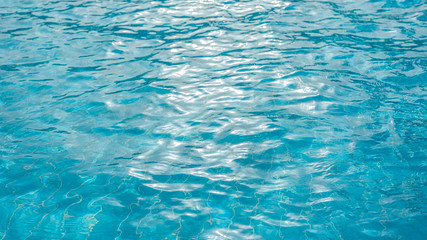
202 119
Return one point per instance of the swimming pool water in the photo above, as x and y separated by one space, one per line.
202 119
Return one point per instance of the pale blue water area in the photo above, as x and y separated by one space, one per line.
202 119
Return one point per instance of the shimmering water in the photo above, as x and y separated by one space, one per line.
198 119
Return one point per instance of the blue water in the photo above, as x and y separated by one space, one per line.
202 119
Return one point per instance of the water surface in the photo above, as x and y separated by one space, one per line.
198 119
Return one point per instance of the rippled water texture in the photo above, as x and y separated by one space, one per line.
198 119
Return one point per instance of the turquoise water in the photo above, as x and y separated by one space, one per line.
198 119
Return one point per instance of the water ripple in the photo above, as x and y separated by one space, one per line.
203 119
